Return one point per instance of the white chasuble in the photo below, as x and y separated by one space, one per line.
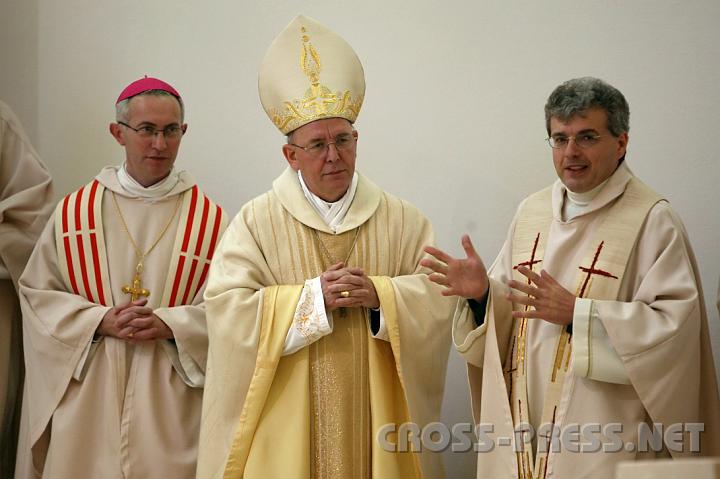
628 252
25 205
100 406
320 408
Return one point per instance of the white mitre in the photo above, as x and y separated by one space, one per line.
310 73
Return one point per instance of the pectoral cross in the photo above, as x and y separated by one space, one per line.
136 290
592 270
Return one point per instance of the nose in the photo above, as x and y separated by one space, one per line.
332 152
159 142
571 149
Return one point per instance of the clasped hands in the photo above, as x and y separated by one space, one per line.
345 287
546 298
133 321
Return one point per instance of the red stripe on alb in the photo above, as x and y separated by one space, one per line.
93 242
203 224
216 230
83 268
71 269
188 284
78 200
198 248
65 214
81 249
213 243
66 242
186 241
91 205
176 283
190 216
203 275
96 267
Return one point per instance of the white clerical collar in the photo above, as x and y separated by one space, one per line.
332 214
576 203
136 190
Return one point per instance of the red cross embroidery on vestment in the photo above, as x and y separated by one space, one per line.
532 261
592 270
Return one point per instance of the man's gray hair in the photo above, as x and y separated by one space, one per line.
123 107
580 94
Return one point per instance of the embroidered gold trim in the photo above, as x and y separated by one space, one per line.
306 320
319 100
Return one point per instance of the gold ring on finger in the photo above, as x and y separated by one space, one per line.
345 294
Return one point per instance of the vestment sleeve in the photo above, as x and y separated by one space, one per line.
661 333
58 328
25 196
311 321
239 275
469 331
188 350
593 355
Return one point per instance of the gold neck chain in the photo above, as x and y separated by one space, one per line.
327 254
136 289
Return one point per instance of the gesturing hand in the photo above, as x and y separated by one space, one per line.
461 277
548 299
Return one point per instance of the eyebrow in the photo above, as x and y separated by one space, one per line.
149 123
581 132
322 138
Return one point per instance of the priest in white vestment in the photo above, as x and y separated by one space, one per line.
25 204
323 327
113 318
587 340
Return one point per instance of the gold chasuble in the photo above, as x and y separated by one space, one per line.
628 252
316 412
98 406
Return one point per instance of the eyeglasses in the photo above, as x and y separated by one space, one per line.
584 140
319 148
170 132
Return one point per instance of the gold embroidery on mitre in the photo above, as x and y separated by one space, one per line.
319 101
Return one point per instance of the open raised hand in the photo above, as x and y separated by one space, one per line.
461 277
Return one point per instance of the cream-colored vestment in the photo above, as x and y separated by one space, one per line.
25 204
100 406
316 412
655 329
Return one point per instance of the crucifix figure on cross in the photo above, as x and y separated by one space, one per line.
136 290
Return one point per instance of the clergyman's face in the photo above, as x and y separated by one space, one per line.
582 169
328 175
149 160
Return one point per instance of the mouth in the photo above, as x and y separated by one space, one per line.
334 173
576 169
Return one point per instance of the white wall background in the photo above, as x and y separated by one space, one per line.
453 117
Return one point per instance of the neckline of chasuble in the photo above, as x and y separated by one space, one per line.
287 189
